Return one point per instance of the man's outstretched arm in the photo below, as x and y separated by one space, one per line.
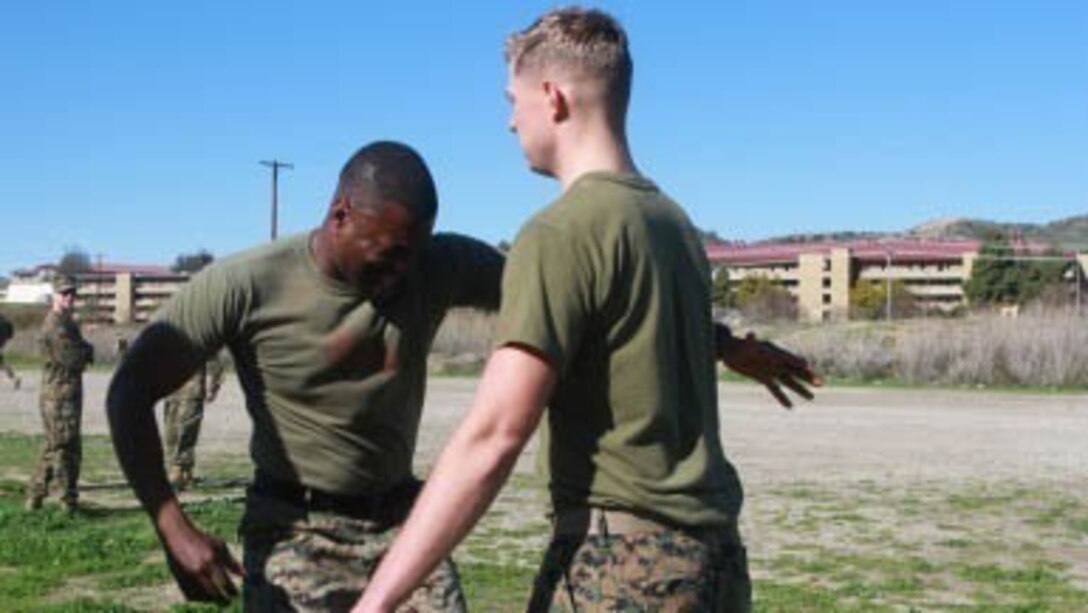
766 363
473 467
159 361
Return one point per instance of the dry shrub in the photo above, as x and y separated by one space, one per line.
465 331
846 352
1046 348
1039 348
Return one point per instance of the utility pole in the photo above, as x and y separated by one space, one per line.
276 165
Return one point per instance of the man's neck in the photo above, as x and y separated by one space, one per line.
322 253
593 150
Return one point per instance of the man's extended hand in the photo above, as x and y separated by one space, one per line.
770 365
201 565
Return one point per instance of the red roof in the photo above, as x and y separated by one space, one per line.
742 254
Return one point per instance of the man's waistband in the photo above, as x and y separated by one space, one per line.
388 506
593 521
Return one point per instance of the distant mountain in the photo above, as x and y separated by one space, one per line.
1070 234
1066 234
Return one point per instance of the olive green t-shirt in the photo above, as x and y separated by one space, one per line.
333 382
611 285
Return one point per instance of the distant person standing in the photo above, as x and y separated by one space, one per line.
182 413
7 330
66 354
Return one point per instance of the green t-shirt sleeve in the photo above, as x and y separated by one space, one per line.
548 300
209 310
469 270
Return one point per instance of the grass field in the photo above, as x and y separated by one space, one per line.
862 546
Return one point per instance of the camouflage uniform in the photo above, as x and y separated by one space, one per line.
657 569
308 562
183 411
66 356
6 332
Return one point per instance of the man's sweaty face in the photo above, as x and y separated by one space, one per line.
379 246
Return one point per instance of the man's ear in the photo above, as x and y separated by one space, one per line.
558 101
338 212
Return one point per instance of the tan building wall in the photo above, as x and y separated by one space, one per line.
840 279
810 282
821 281
124 298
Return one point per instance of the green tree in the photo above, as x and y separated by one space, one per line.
997 277
192 262
869 300
74 261
720 294
760 298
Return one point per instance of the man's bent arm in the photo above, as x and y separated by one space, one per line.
477 461
158 362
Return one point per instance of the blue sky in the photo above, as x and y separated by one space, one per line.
134 129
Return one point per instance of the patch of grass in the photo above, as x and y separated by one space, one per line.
84 605
192 607
19 452
106 549
140 576
496 587
781 597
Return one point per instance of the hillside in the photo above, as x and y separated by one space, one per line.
1066 234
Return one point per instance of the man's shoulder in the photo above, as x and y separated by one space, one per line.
262 257
449 249
600 200
251 268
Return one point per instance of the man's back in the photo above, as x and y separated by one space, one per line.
611 283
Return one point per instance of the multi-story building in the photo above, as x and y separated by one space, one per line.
123 293
820 275
107 293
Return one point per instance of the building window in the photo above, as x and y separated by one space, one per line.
827 265
827 298
827 283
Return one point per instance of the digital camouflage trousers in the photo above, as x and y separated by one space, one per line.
62 451
181 421
663 569
311 562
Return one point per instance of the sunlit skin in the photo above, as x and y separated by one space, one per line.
63 302
371 248
528 95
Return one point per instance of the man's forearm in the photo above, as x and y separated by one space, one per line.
469 474
465 482
130 409
724 341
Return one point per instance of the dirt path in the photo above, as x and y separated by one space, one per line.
847 435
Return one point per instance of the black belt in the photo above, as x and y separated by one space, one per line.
391 505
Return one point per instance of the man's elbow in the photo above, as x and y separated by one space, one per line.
125 395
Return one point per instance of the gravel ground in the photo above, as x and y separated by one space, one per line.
847 434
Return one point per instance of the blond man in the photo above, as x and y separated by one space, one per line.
606 320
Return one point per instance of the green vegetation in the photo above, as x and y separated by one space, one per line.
762 299
719 290
864 546
869 300
997 279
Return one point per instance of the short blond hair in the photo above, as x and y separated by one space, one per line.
588 42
